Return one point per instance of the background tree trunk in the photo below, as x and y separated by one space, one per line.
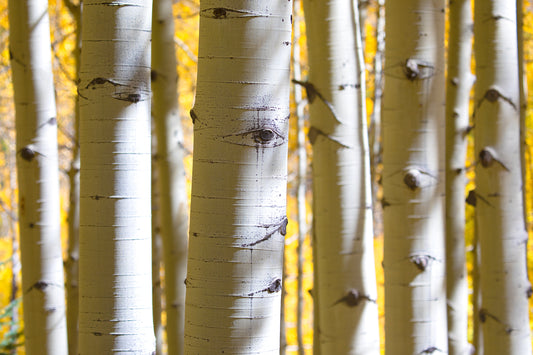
458 85
38 182
413 178
238 219
115 223
346 288
499 211
72 262
171 173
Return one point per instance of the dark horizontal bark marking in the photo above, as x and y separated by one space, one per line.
314 133
353 297
312 93
282 229
416 69
222 13
275 286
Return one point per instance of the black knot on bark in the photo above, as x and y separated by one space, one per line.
352 298
412 179
275 286
219 12
421 261
27 153
486 157
411 69
471 199
492 95
266 135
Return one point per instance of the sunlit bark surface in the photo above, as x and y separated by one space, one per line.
115 209
238 221
413 178
505 289
38 182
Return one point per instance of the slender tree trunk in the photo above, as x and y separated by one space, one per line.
302 177
346 288
238 220
171 173
458 87
15 327
72 262
157 257
499 211
413 178
38 183
375 118
115 223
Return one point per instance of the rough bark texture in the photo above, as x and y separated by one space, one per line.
458 85
171 173
115 210
413 178
345 290
238 220
499 210
38 182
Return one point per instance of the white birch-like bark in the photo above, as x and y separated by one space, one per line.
499 211
115 217
38 181
238 206
413 178
342 209
171 173
458 85
157 257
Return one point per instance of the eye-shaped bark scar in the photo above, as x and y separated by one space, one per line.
265 137
221 13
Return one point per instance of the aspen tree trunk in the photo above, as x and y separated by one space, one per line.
171 173
413 178
302 176
499 211
38 181
238 219
72 262
375 140
115 223
157 256
344 264
458 85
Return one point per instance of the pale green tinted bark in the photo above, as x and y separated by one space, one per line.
38 182
115 223
345 290
413 178
238 221
499 210
171 174
458 85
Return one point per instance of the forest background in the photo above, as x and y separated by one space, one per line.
63 27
